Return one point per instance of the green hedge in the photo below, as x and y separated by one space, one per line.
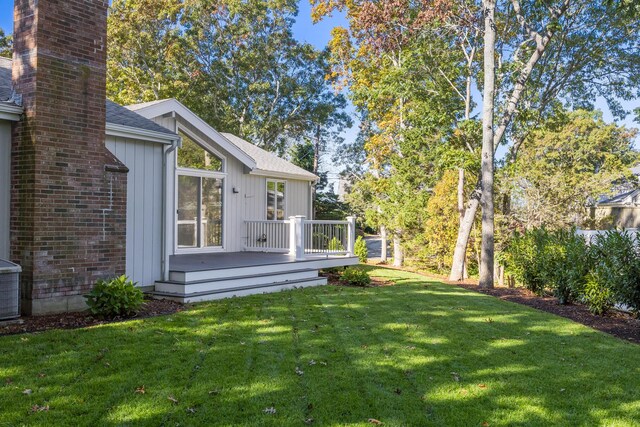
600 273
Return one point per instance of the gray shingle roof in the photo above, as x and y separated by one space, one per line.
116 114
267 161
627 198
5 79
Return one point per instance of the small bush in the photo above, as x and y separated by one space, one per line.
597 297
525 258
335 245
114 297
356 277
568 263
360 249
617 266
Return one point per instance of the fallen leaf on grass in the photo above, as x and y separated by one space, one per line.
374 421
27 391
38 408
9 381
299 371
191 410
140 390
42 375
482 385
214 392
173 399
312 362
308 421
271 410
456 376
485 424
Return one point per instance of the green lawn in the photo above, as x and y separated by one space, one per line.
419 353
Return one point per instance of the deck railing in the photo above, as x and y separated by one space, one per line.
300 237
330 237
267 236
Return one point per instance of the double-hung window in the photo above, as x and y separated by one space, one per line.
276 193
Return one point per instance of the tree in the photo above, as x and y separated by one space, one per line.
564 167
555 59
6 45
235 63
147 56
396 84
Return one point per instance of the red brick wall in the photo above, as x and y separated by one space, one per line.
68 208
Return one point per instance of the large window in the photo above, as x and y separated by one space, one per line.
276 200
200 197
193 156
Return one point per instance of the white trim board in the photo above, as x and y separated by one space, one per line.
166 106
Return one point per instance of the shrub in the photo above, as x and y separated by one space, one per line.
356 277
617 266
524 258
360 249
597 297
335 245
114 297
568 263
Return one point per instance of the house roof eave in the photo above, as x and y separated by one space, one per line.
160 108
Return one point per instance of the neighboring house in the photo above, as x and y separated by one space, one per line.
621 210
90 189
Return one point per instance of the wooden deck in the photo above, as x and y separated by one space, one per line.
187 263
203 277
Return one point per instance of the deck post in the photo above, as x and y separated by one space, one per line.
296 236
351 234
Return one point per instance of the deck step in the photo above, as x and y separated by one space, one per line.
206 285
267 269
238 291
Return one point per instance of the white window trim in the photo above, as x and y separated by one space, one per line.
206 146
266 201
203 174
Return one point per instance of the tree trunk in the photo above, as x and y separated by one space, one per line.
398 256
316 166
383 243
465 274
457 267
465 230
487 249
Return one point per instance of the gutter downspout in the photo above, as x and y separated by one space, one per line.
165 205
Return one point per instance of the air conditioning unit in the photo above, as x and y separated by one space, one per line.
9 290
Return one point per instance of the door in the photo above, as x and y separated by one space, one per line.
200 212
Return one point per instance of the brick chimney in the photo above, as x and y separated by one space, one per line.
68 208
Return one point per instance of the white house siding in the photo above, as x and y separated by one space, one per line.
5 186
144 207
249 203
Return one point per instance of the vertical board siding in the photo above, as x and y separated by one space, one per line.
249 203
5 187
144 207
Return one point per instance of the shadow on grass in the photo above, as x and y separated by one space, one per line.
418 353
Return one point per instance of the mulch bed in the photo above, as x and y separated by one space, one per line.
616 323
83 319
376 282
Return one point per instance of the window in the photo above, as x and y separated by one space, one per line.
275 200
193 156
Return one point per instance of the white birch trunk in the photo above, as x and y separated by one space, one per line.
487 249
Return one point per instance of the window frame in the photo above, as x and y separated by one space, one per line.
205 146
284 199
201 173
